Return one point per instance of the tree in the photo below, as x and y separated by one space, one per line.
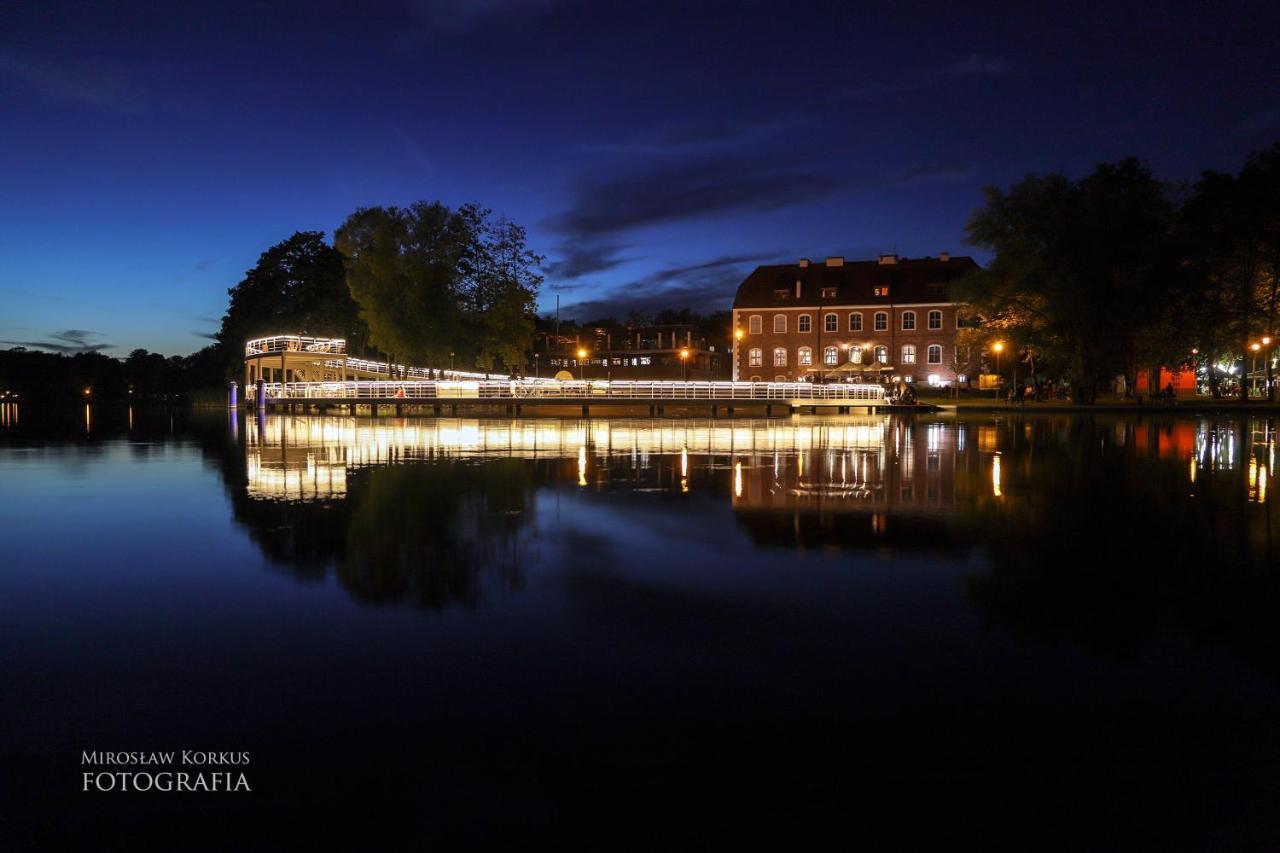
298 286
1081 268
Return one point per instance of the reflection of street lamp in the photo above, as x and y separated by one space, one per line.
684 364
998 347
582 354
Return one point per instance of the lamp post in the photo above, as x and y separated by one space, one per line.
684 364
998 347
1255 346
737 347
1266 358
582 355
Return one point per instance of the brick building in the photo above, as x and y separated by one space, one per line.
855 320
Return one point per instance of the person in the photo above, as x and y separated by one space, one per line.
400 395
1170 394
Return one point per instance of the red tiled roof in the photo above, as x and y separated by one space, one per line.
910 280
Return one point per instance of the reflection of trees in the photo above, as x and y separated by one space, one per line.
1100 545
428 532
436 534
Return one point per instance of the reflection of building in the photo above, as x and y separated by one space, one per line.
860 319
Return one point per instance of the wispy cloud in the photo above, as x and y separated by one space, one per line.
703 286
67 341
578 259
974 65
605 204
686 138
936 173
95 85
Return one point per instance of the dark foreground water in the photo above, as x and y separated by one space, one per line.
1038 631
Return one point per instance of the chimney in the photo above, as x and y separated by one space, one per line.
835 261
944 256
888 259
804 263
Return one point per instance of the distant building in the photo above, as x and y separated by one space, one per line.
671 351
851 320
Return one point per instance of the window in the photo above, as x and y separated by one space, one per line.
935 354
755 357
828 293
755 377
883 290
882 321
831 356
804 323
882 355
908 321
780 357
804 357
908 354
855 322
779 378
779 323
780 293
755 325
855 355
935 319
831 323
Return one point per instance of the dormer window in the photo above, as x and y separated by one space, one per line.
828 293
882 290
780 293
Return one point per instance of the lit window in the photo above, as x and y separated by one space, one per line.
804 357
855 355
935 319
882 321
881 291
908 321
908 354
882 354
755 325
779 323
755 357
855 322
780 293
805 323
831 356
828 293
755 378
780 357
935 354
831 323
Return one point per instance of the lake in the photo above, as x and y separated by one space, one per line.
1042 630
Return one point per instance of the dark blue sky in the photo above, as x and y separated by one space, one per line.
656 152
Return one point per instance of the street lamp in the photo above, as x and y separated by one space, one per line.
1255 346
1266 359
684 364
998 347
582 355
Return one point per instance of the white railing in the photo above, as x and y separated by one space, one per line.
294 343
532 390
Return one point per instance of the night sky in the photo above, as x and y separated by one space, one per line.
151 151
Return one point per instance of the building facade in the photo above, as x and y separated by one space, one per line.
852 321
649 352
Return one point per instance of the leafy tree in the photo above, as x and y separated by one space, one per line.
432 281
298 286
1081 268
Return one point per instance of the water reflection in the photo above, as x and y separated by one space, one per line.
1088 529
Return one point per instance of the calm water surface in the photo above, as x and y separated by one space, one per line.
1046 630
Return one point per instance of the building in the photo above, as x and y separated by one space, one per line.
852 321
672 351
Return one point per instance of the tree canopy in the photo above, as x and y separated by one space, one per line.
298 286
433 282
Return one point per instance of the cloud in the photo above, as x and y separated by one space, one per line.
579 259
67 342
213 336
704 286
606 204
936 173
974 65
87 84
702 136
